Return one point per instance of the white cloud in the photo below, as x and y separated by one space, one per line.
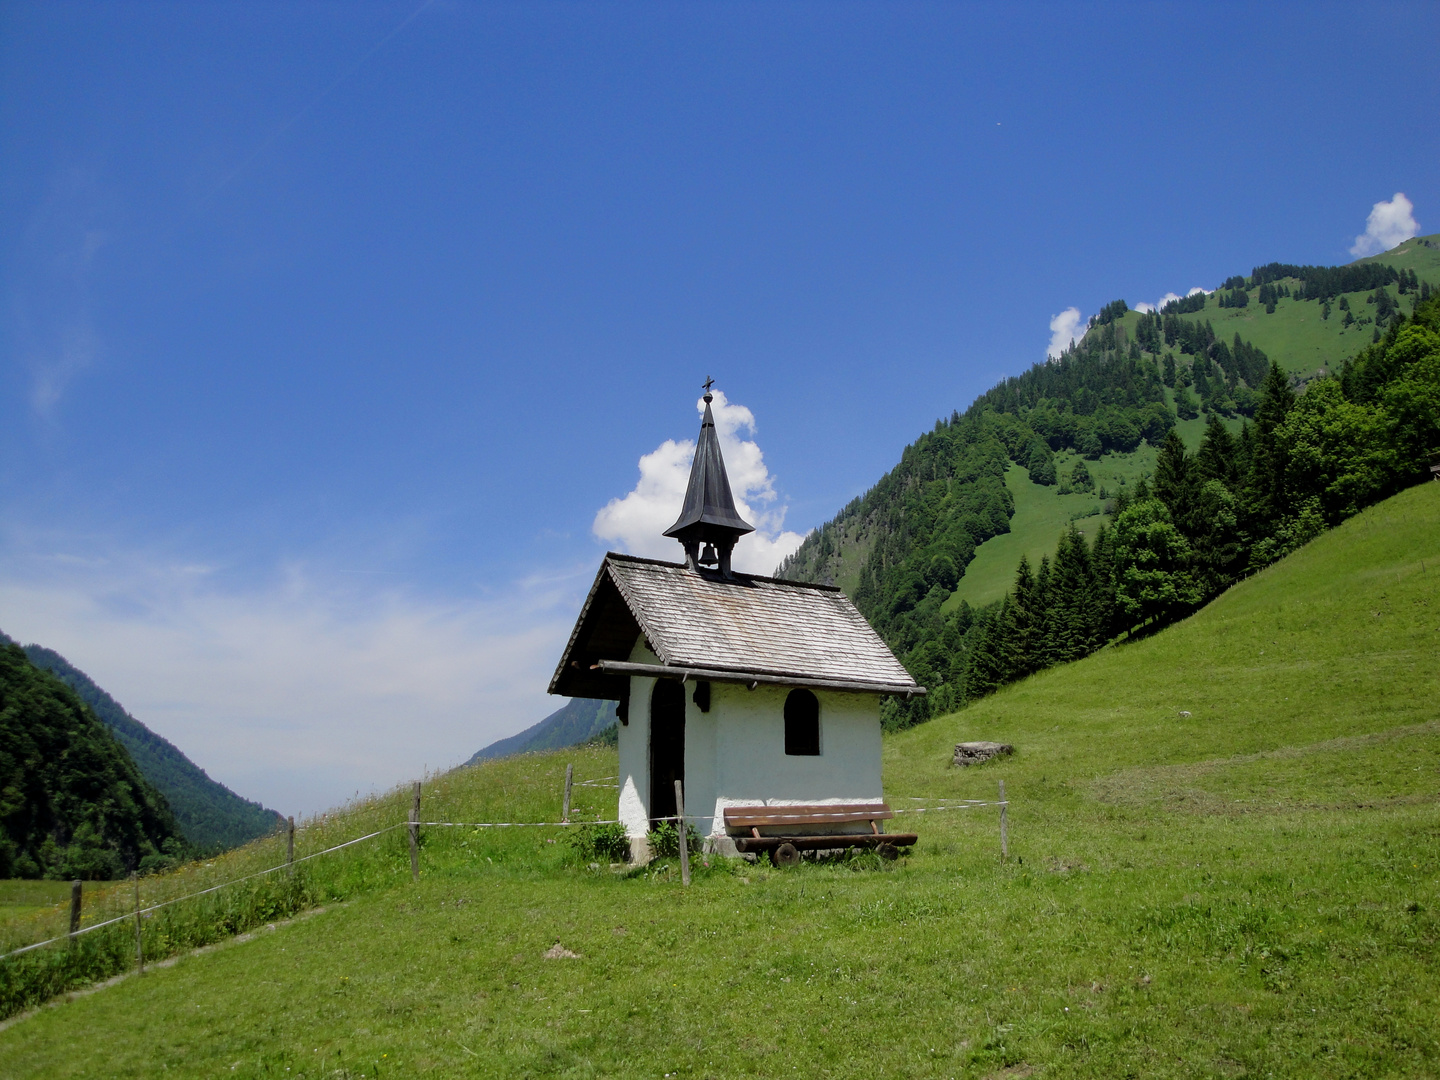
636 522
303 691
1066 327
1389 223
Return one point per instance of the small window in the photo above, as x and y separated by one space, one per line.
802 723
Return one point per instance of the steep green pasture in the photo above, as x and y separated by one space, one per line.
1296 336
1041 515
1250 890
1420 253
1191 432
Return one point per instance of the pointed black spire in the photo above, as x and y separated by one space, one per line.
709 515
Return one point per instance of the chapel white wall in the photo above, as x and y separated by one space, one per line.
751 766
634 747
735 753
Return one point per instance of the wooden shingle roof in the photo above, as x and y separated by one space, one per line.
742 628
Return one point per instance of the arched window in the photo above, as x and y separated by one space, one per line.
802 723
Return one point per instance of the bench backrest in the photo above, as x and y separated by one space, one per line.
746 817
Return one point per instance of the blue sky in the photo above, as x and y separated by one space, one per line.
328 330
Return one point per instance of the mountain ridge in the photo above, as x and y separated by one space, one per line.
209 814
579 720
73 803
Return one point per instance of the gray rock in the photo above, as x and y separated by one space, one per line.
973 753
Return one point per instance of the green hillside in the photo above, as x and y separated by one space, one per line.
955 556
209 814
72 802
1296 335
1249 890
1042 513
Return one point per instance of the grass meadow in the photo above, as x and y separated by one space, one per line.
23 901
1247 890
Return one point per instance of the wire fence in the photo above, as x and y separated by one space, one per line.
289 865
257 866
149 908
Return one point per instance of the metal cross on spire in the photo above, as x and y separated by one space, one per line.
709 382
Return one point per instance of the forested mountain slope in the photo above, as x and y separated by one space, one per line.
1128 389
72 802
209 813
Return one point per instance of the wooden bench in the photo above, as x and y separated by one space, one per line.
797 822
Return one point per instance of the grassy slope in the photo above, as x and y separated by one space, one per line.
25 899
1296 337
1251 890
1042 514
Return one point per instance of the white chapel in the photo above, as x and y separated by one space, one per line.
761 696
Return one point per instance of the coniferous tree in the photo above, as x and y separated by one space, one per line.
1027 623
1214 534
1045 621
1185 405
1041 464
1103 610
1172 477
1072 583
986 669
1216 458
1265 502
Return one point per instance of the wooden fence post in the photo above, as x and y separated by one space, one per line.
290 846
415 834
74 908
569 780
139 948
681 828
1004 838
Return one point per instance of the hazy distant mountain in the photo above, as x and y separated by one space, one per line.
578 721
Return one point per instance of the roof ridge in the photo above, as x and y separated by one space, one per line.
717 578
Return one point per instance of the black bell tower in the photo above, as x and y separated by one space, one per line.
709 516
